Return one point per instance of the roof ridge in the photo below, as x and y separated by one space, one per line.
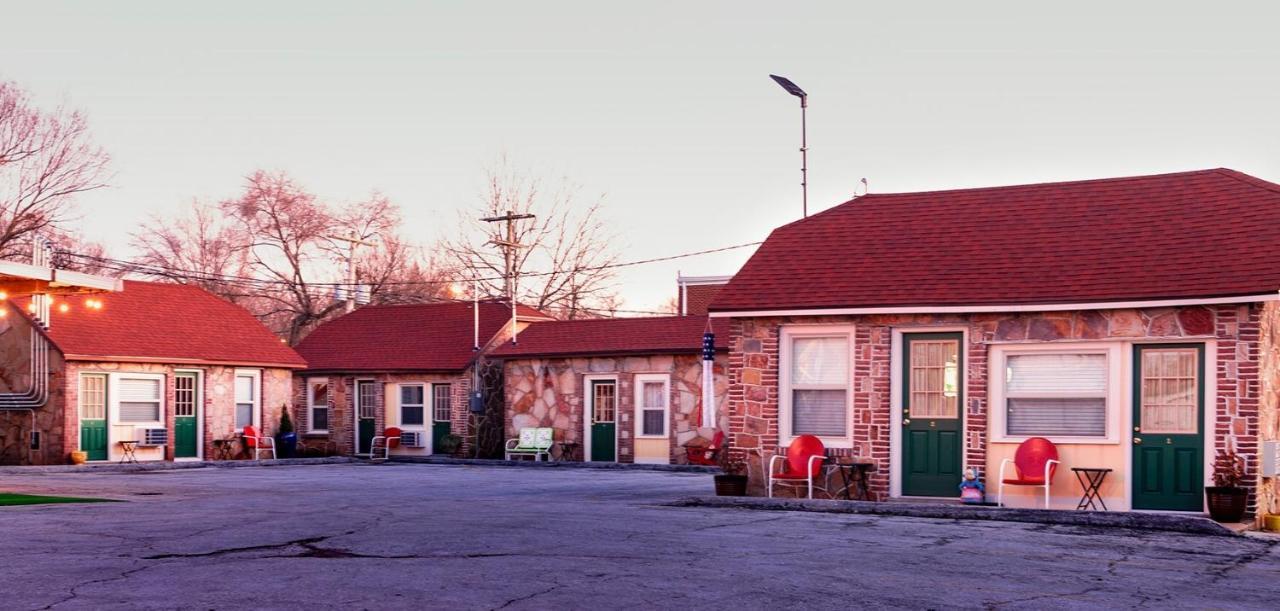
1248 179
1047 183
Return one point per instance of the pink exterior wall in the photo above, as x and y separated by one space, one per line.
549 392
342 404
754 385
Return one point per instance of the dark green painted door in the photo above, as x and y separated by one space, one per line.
1168 434
366 396
932 414
93 416
441 412
604 426
185 416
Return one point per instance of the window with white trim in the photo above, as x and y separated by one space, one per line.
440 402
412 404
1067 393
817 380
246 393
652 404
318 405
139 399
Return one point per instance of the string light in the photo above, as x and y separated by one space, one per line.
64 308
3 295
4 313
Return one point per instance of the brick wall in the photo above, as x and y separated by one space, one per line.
753 399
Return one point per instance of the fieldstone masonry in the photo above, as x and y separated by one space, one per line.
753 373
550 392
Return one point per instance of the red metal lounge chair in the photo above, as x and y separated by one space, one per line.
390 438
801 466
1035 462
258 443
706 455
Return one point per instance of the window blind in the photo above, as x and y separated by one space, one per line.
1056 373
1085 417
819 360
818 412
139 400
653 422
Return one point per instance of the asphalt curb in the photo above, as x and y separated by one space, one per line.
171 466
1132 520
531 464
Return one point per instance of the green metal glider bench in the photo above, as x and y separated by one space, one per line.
535 442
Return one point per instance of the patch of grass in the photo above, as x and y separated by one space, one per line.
7 498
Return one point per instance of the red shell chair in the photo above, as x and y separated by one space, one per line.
258 443
801 465
706 455
390 438
1035 463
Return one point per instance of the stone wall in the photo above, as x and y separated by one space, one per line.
1269 406
15 377
342 404
549 392
754 387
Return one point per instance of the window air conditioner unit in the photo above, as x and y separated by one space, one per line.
411 439
153 437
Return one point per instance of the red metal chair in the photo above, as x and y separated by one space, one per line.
390 438
706 455
1035 462
801 465
258 443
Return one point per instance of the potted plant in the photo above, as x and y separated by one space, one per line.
449 444
733 482
79 457
1226 497
286 438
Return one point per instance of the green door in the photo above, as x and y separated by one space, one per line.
93 416
932 408
441 395
185 415
1168 436
366 396
604 427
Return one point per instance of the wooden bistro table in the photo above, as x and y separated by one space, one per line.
854 475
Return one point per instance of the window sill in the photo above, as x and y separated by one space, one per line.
316 434
842 443
1062 441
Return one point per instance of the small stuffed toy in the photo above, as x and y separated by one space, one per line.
972 490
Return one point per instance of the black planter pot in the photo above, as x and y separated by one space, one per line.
288 445
1226 503
731 485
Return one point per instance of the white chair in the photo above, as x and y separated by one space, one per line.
535 442
389 438
1035 462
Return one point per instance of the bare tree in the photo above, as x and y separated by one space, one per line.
202 248
563 265
46 158
274 251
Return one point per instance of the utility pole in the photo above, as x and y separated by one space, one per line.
352 243
509 246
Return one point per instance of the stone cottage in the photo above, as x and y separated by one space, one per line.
616 390
406 366
171 367
931 332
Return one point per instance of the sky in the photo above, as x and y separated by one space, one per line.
663 108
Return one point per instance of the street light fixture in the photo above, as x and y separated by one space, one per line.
795 90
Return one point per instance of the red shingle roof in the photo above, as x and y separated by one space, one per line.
614 336
418 337
1200 234
166 323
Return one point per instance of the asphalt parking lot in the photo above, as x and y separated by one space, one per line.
472 537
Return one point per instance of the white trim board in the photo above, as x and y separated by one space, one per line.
977 309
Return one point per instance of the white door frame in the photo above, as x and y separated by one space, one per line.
588 413
200 411
355 415
895 399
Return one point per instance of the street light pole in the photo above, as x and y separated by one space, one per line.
795 90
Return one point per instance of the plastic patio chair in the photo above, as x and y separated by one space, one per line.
1035 463
390 438
706 455
801 465
257 444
